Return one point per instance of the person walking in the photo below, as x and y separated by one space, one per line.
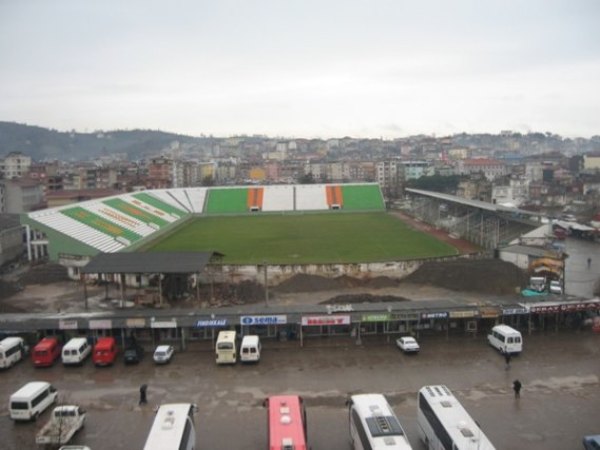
143 389
517 388
589 260
507 359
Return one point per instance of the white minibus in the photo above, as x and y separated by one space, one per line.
373 424
76 351
506 339
173 428
225 349
443 423
31 400
250 349
12 350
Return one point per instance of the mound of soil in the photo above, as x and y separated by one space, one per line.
363 298
314 283
8 288
489 276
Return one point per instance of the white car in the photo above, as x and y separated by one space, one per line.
408 344
163 354
556 287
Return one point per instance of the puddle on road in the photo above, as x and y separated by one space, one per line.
568 383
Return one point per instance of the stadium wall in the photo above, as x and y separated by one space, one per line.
279 273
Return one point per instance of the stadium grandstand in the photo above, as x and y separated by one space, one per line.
127 221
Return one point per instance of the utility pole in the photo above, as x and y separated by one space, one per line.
266 285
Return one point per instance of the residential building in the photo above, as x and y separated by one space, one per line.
20 196
490 168
14 165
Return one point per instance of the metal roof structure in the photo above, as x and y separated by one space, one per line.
473 203
150 262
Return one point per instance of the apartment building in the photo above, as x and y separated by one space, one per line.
14 165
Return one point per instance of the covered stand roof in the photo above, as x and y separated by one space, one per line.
151 262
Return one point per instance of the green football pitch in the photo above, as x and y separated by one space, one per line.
304 239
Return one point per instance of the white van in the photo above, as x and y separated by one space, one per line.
250 349
225 349
76 351
12 350
506 339
31 400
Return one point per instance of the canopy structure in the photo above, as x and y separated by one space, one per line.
164 264
150 262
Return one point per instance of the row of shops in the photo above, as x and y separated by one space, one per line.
340 320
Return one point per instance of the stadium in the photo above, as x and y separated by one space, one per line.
278 224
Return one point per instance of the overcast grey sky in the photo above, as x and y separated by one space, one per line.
303 68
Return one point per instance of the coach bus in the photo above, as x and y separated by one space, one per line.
286 422
173 428
373 424
444 424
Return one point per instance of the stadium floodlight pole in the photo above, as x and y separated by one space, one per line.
266 285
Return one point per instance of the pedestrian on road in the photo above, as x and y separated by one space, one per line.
517 388
143 389
589 262
507 359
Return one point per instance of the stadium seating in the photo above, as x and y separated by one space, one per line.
227 201
311 197
362 197
278 198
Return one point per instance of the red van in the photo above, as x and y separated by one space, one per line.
105 351
46 352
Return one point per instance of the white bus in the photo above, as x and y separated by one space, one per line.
225 349
506 339
173 428
31 400
12 350
444 424
373 424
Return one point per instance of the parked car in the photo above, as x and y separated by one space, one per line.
408 344
133 354
591 442
556 287
163 354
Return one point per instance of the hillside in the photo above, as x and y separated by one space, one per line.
43 143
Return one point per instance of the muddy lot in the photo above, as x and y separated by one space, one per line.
558 405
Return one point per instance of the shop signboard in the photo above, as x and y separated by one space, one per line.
136 322
211 323
67 324
382 317
280 319
308 321
434 315
564 307
489 312
100 324
163 323
462 314
407 316
514 311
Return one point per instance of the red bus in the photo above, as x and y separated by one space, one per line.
105 351
286 420
46 352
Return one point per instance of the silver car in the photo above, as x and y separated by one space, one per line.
163 354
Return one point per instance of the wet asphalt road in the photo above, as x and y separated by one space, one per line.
560 399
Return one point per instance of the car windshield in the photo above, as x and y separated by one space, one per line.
160 353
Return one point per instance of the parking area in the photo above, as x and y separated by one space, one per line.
560 400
